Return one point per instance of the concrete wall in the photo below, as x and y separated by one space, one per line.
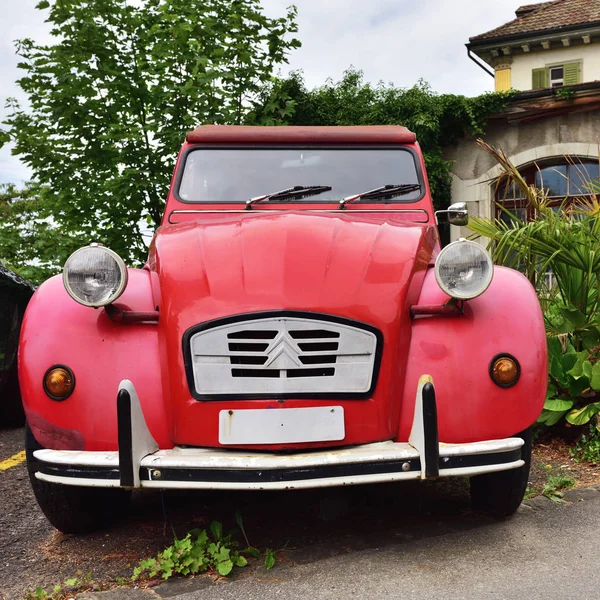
474 170
523 64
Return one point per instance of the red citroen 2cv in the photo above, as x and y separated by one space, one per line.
297 325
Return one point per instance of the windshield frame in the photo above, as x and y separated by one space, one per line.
216 147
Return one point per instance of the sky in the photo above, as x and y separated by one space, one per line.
394 41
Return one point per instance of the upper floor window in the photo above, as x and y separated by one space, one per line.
553 76
557 76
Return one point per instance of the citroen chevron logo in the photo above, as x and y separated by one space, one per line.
283 354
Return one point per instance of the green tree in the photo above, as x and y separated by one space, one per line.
437 120
110 101
30 241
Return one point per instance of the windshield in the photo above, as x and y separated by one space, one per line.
236 175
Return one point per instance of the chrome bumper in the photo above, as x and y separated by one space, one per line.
140 464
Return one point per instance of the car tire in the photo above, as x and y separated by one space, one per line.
500 494
74 509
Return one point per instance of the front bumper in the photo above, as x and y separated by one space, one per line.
140 464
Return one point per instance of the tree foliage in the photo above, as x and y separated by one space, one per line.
30 240
438 120
111 99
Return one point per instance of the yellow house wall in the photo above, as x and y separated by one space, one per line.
523 64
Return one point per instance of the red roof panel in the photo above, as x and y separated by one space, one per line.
244 134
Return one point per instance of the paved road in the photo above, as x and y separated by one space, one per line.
407 541
547 551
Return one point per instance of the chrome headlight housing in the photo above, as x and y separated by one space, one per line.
464 269
94 276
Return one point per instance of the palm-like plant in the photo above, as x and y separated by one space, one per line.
565 242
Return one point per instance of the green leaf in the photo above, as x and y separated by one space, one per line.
269 559
238 519
241 561
573 316
558 404
582 366
216 529
252 552
595 377
550 418
225 567
583 415
556 369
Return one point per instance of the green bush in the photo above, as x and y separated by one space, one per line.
566 243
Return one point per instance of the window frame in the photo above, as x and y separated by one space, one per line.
560 81
530 173
216 147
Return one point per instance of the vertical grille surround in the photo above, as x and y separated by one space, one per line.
284 354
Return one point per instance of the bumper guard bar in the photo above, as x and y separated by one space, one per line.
140 464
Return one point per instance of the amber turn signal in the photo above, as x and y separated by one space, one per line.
59 382
505 370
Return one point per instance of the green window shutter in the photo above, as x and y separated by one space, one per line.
539 79
572 75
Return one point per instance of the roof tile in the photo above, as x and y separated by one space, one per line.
548 15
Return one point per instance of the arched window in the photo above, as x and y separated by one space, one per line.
563 180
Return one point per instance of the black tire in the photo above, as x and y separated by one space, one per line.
500 494
11 408
74 509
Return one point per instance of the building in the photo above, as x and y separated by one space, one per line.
550 54
551 44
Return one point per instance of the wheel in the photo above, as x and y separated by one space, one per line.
74 509
500 494
11 408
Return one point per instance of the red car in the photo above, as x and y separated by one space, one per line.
296 325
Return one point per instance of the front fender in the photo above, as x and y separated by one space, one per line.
101 353
457 352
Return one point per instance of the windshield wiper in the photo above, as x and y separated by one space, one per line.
385 191
298 191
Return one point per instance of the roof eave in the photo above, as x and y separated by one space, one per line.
495 41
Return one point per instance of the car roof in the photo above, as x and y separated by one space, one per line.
250 134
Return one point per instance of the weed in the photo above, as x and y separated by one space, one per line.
60 591
269 559
588 447
554 486
196 553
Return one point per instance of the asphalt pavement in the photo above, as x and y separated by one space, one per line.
547 551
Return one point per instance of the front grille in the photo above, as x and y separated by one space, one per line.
312 351
283 356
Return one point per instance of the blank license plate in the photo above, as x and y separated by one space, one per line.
281 425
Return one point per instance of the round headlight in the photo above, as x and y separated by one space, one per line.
94 276
464 270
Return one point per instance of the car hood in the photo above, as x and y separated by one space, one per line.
367 267
336 263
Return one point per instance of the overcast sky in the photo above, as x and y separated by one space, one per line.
397 41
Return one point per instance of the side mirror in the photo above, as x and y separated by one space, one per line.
458 214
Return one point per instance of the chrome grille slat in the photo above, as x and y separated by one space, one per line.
283 355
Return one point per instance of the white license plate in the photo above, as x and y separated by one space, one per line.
281 425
